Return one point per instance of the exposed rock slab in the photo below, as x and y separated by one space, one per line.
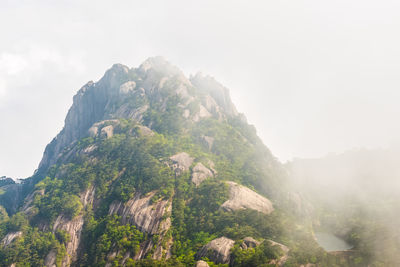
9 238
73 228
241 197
140 212
181 162
107 131
201 264
217 250
200 173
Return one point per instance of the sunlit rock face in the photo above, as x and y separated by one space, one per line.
108 99
241 197
200 173
218 250
139 211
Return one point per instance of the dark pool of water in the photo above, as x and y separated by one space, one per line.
330 242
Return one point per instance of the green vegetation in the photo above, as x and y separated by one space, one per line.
129 163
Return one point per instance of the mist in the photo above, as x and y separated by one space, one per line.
313 76
354 195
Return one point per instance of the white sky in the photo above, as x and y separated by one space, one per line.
314 76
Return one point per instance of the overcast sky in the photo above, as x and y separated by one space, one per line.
313 76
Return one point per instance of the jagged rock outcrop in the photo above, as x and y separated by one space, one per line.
217 250
216 90
9 238
126 93
200 173
104 128
89 106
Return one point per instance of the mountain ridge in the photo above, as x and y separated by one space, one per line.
154 169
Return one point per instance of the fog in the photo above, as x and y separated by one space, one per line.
313 76
354 196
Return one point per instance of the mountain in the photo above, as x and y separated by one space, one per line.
156 169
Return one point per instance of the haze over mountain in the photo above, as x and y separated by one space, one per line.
153 168
313 76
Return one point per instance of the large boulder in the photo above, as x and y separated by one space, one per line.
201 264
217 250
181 162
241 197
200 173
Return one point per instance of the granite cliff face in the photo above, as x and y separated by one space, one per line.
149 166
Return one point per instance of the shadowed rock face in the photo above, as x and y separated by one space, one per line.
241 197
217 250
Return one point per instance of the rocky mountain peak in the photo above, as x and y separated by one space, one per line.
220 93
131 93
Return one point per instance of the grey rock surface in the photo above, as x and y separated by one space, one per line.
181 162
152 218
127 87
74 228
241 197
107 131
217 250
200 173
108 98
147 216
9 238
201 264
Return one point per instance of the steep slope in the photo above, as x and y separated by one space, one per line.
149 168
